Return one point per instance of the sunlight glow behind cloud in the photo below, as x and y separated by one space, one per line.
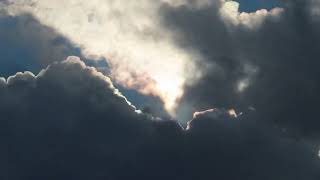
129 34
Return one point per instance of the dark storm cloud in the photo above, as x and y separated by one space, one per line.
69 122
274 67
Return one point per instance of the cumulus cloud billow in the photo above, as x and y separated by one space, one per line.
52 120
69 122
230 13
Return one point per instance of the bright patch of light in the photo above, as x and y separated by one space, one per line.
170 89
243 85
233 113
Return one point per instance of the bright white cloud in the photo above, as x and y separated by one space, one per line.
230 13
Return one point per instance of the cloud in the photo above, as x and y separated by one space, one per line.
129 35
135 39
206 54
239 147
272 68
2 81
230 13
69 122
54 119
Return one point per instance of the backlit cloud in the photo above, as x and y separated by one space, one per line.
129 35
139 47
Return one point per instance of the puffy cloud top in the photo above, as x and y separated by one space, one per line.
230 13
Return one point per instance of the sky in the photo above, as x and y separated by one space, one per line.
253 5
168 89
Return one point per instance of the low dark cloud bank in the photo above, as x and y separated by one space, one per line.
273 68
69 122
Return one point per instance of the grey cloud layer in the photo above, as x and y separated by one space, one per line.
69 122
